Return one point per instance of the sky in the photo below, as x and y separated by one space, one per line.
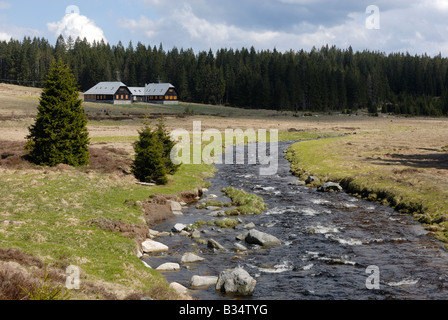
418 27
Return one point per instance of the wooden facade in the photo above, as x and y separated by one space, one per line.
161 93
109 92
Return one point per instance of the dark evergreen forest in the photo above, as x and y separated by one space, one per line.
326 79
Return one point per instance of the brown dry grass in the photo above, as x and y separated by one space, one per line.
105 159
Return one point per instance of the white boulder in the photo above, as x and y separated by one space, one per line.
191 258
169 267
198 281
150 246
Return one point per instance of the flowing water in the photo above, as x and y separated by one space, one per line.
328 242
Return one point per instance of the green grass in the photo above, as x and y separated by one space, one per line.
413 192
245 203
56 207
226 223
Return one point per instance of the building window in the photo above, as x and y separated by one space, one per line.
127 97
117 97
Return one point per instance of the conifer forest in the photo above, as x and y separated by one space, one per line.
326 79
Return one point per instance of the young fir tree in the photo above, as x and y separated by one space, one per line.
149 164
59 135
168 145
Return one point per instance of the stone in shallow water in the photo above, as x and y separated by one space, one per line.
198 281
150 246
261 238
236 281
169 267
330 187
191 258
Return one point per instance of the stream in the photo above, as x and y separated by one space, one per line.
328 242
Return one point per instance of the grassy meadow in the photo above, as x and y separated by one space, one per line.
48 213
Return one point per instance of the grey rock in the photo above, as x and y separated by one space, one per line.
221 213
150 246
169 267
191 258
239 247
298 183
185 234
213 244
178 287
261 238
311 179
179 227
250 226
198 281
196 234
213 208
175 206
236 281
242 236
330 187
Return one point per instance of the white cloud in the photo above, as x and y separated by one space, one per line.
4 36
11 31
417 27
76 25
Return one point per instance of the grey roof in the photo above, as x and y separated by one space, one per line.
137 91
105 88
157 88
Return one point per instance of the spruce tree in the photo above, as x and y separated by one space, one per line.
149 164
59 135
168 145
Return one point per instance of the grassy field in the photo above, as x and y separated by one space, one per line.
403 165
53 210
399 161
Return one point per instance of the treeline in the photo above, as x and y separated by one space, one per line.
326 79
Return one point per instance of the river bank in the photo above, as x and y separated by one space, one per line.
405 168
327 241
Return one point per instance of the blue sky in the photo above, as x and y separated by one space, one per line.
419 26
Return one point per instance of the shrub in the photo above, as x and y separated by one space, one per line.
168 145
149 164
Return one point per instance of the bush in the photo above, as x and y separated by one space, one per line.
153 155
149 163
59 135
168 145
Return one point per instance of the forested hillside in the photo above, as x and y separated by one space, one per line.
325 79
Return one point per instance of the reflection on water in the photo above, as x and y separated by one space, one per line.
328 241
